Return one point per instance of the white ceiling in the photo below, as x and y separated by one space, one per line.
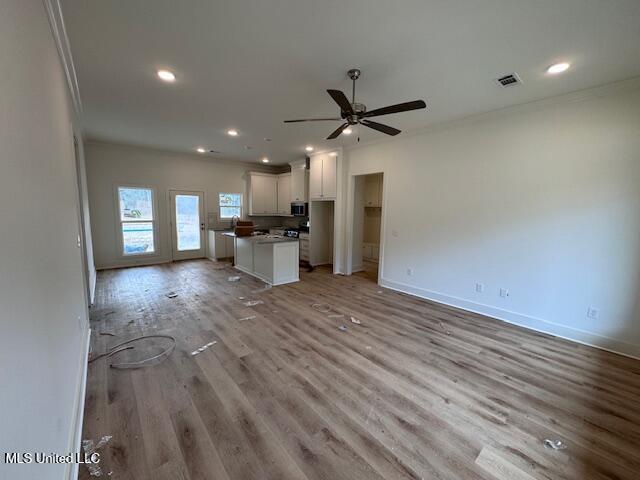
250 64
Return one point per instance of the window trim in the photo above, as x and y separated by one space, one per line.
119 222
220 217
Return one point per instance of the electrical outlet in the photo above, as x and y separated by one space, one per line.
410 272
593 313
504 293
479 287
394 233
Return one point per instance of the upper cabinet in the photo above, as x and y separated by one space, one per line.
263 194
322 178
315 178
299 181
269 194
284 194
373 191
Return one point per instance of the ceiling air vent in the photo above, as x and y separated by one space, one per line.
509 80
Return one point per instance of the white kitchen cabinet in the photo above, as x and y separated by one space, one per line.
284 194
303 242
220 246
329 177
373 191
315 178
274 261
263 194
211 244
323 177
299 181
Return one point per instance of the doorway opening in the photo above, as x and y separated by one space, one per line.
187 224
367 223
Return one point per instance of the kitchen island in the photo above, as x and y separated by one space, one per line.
271 258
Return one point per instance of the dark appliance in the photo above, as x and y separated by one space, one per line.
299 209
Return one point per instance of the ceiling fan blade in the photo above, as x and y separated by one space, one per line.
400 107
312 120
336 133
380 127
342 100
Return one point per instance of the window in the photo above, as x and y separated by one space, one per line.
230 205
136 220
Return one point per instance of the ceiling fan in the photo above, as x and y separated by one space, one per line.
354 113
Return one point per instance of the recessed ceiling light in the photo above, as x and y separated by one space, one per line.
265 160
558 68
347 131
201 150
309 148
166 75
232 132
334 154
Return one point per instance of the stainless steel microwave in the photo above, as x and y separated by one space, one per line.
299 209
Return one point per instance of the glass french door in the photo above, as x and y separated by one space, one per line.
187 224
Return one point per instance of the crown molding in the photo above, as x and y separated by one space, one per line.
56 21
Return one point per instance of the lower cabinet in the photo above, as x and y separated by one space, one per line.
220 246
303 242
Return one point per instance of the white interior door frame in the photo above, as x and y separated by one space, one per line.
191 253
351 187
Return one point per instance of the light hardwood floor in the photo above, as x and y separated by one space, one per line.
419 390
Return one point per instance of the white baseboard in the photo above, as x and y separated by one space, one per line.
93 280
539 325
137 263
76 432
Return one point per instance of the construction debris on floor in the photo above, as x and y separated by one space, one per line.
203 348
152 360
321 307
555 444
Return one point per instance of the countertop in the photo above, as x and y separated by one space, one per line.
263 238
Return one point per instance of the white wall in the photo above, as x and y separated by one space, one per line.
543 200
109 165
372 219
43 314
86 219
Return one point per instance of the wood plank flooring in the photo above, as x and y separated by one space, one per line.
417 391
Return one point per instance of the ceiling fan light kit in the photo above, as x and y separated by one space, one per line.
354 113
